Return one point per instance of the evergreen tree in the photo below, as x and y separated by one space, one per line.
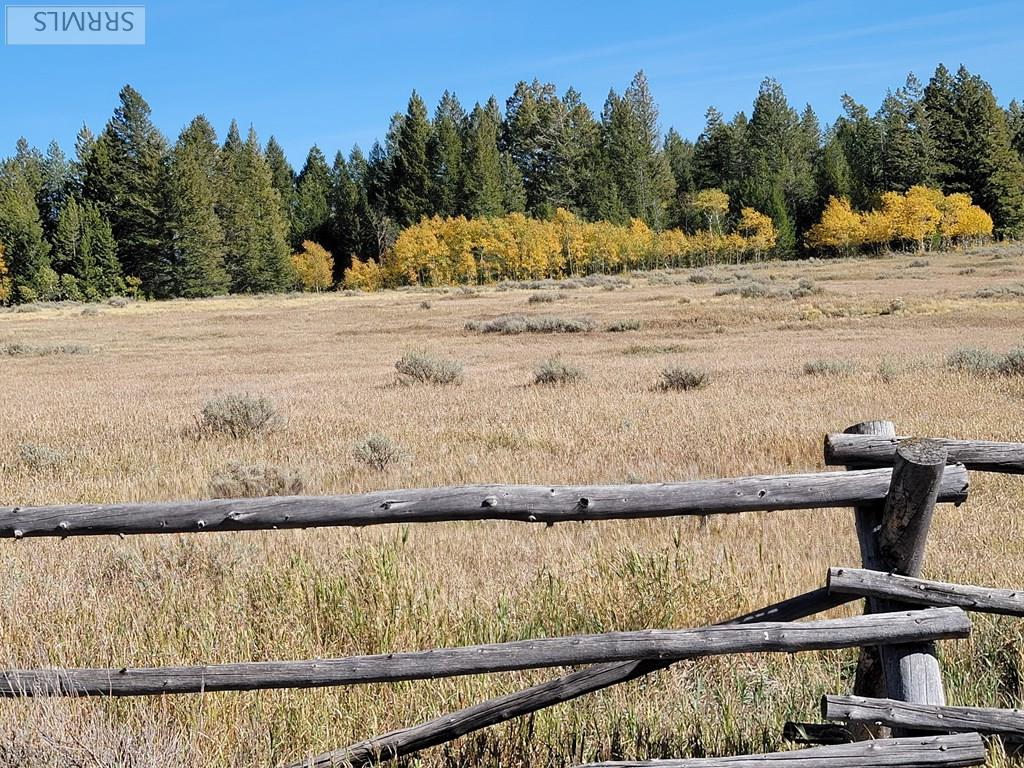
718 153
679 154
906 153
633 150
312 201
947 130
126 177
861 141
57 186
1015 122
196 234
513 192
283 176
833 173
484 190
410 171
26 250
255 232
445 156
350 224
85 249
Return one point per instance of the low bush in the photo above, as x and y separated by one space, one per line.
680 379
514 324
237 416
38 458
422 368
829 367
378 452
557 371
624 325
237 480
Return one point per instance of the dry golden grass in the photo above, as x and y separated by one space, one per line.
120 419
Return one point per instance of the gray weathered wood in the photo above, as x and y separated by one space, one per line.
924 717
536 504
869 679
780 637
816 733
905 589
871 450
960 749
407 741
912 671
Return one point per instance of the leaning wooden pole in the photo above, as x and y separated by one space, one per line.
448 727
912 672
869 679
655 644
960 749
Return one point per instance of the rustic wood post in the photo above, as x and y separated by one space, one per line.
869 681
912 672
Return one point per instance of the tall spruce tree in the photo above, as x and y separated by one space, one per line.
312 202
127 180
861 140
633 150
445 156
196 235
255 232
26 251
906 152
283 176
84 248
410 171
718 153
484 189
1015 121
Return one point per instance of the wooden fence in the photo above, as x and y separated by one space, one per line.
892 483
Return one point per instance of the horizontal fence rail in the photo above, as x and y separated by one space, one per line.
1003 722
440 730
864 583
854 450
915 752
535 504
772 637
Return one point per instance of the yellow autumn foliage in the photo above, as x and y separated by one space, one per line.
5 281
922 216
314 267
452 251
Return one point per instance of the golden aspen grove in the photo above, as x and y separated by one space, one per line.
456 250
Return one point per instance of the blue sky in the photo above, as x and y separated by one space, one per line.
332 73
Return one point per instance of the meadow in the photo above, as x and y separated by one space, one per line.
100 404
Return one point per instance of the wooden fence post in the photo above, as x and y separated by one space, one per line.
912 672
869 681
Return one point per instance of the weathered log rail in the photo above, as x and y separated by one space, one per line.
893 484
524 503
913 752
879 450
655 644
924 717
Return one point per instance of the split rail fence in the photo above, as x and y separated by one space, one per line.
897 714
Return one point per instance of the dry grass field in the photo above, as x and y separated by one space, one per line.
100 404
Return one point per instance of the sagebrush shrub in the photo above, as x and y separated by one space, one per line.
421 368
238 480
680 379
624 325
377 451
237 416
515 324
980 362
41 457
556 371
825 367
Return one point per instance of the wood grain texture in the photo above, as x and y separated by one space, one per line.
440 730
879 450
913 752
905 589
535 504
656 644
1004 722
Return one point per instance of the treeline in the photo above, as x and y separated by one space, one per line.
131 212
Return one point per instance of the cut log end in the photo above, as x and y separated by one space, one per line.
923 452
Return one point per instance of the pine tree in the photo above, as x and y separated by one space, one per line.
196 234
947 130
84 249
27 252
410 171
445 156
312 201
718 153
255 232
283 176
57 186
350 225
833 173
1015 121
126 177
906 154
633 150
679 154
860 138
484 193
